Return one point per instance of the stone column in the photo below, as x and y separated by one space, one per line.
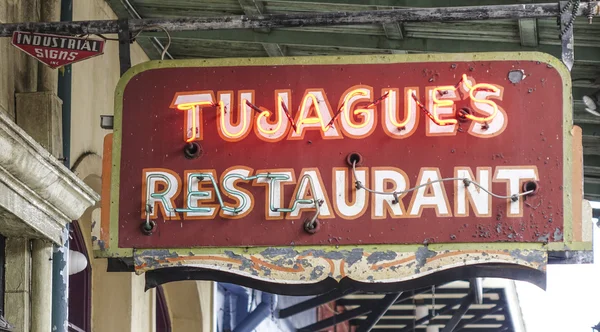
17 291
48 77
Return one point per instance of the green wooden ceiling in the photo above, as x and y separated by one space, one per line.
470 36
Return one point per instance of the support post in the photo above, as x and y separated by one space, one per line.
60 256
41 286
378 312
17 288
124 45
60 285
64 90
48 77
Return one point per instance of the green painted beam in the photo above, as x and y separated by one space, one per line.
592 171
256 8
150 48
274 49
306 38
393 30
584 118
118 8
592 166
590 129
528 32
591 188
591 145
579 92
252 7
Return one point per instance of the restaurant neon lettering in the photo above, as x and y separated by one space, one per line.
204 193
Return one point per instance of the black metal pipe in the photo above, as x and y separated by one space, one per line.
314 302
540 10
124 46
446 309
478 317
378 312
362 310
458 314
335 319
60 285
60 256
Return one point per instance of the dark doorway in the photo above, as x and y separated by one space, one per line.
163 321
80 287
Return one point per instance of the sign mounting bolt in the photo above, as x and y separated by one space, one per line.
193 150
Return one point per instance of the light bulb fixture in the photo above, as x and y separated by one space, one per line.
592 102
77 262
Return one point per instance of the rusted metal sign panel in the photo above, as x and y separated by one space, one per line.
345 155
55 50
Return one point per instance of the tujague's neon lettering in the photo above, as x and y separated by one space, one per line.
315 113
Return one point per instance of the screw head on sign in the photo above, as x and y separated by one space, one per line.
311 227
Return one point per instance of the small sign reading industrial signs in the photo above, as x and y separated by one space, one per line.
378 168
55 50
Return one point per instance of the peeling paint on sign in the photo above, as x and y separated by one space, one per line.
310 265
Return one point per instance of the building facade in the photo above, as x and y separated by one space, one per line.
51 152
50 177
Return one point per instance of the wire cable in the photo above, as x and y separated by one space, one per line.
466 182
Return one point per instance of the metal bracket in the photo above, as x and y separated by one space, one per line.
315 302
458 314
124 45
568 12
571 257
378 312
476 286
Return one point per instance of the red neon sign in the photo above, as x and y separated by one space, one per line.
275 153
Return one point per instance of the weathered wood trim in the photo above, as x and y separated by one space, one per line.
301 20
361 41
